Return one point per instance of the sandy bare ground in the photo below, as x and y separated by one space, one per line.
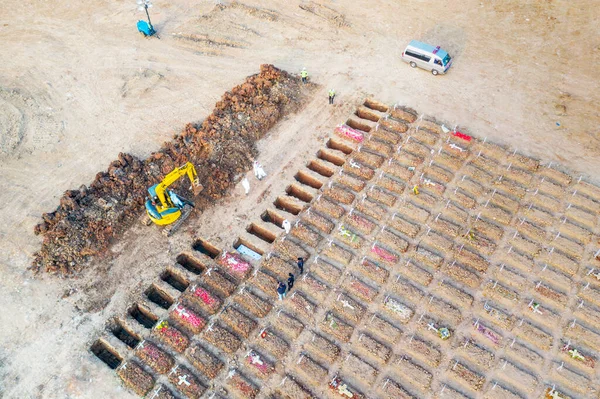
78 85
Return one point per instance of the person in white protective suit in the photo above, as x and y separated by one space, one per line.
259 171
246 185
286 226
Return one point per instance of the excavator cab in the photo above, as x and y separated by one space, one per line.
172 209
164 206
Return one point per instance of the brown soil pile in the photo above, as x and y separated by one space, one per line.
222 147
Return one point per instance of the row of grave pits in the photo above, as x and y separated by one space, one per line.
360 289
486 306
139 327
154 294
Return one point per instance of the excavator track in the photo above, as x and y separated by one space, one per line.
185 213
146 221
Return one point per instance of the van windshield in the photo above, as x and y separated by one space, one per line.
446 59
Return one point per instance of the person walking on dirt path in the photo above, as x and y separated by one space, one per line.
304 75
281 291
287 226
259 172
291 280
331 95
301 265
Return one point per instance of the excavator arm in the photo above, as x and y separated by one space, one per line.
167 208
161 188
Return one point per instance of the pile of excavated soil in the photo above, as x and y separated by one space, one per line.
88 219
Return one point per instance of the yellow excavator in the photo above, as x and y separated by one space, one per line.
164 207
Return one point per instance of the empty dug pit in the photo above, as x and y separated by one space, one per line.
330 157
336 144
366 113
247 244
206 248
354 124
318 167
376 105
174 280
120 331
107 354
159 297
272 217
190 263
286 205
308 180
261 233
143 316
298 192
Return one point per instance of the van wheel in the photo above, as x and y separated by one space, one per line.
434 72
412 64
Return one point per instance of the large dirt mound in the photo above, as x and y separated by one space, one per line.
222 147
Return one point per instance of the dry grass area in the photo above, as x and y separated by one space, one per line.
408 228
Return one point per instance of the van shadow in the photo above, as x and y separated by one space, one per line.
449 37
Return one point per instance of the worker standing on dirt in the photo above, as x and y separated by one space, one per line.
331 95
287 226
291 280
259 172
301 265
281 291
304 75
246 185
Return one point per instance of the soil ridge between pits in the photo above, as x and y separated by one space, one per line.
222 147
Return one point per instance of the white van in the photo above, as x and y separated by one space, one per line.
426 56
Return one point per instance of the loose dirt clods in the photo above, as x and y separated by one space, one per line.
221 148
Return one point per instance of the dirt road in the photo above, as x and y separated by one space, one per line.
78 85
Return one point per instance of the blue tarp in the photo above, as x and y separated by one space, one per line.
244 250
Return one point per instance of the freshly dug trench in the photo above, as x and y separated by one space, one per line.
359 125
206 248
288 204
376 105
308 180
159 297
106 353
322 168
261 233
143 316
89 218
124 334
298 192
366 113
190 263
336 144
174 280
272 217
331 156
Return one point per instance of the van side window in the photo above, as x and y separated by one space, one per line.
438 62
417 55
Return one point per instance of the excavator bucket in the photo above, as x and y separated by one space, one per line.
197 189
